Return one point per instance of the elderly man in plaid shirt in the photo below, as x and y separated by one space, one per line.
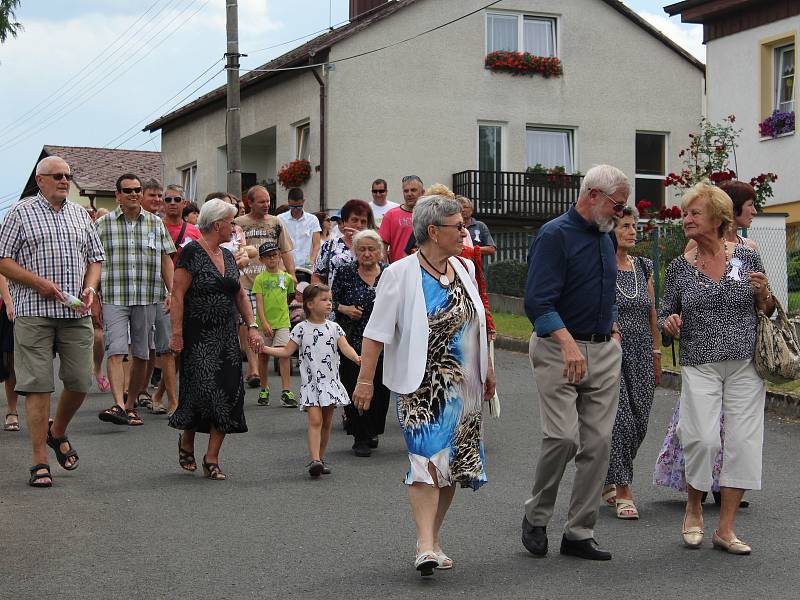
138 266
50 252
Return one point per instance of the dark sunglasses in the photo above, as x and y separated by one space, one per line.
459 226
169 199
378 191
58 176
136 190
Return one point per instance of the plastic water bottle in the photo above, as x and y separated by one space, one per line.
71 301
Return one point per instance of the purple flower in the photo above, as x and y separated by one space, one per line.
776 124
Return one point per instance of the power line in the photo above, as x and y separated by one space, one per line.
81 101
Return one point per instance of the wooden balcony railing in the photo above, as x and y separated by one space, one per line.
517 196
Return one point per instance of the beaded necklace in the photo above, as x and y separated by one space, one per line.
635 282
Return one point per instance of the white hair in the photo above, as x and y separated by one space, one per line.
605 178
43 164
432 210
367 235
213 211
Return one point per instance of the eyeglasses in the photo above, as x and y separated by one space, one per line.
378 191
459 226
58 176
169 199
618 207
134 190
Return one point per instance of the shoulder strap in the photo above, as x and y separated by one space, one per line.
180 235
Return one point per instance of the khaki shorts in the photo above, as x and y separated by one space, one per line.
35 341
163 330
279 339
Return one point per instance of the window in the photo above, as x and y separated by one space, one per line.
784 78
550 148
651 167
490 147
302 146
521 33
189 181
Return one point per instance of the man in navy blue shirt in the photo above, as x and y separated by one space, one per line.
576 354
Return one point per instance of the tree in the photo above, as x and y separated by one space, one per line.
8 24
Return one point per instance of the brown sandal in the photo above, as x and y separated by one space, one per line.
134 420
11 426
185 458
212 471
115 414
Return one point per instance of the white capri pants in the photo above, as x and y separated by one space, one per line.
734 387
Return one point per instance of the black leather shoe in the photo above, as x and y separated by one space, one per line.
534 538
373 442
587 549
361 448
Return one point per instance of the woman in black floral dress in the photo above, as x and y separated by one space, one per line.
641 364
353 298
205 311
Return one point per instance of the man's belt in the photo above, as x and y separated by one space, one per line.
587 337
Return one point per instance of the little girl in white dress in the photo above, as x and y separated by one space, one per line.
320 342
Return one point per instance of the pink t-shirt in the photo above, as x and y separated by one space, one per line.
191 233
395 231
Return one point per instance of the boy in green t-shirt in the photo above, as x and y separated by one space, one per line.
272 289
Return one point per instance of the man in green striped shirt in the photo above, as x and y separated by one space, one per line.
138 266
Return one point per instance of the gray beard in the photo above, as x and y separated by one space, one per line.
604 225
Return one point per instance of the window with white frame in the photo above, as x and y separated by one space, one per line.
302 137
521 33
189 181
651 167
490 147
784 78
550 148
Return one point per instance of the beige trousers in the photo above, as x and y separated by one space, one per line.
735 387
577 420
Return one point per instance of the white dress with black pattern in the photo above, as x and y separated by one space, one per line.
637 380
319 364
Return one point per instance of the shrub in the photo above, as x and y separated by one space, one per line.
507 277
793 271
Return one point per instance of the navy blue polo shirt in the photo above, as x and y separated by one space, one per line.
572 277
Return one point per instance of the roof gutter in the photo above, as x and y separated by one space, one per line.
322 131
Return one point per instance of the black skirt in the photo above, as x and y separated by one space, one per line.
6 343
372 422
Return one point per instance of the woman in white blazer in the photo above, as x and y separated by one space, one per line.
429 320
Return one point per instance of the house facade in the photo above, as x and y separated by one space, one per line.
430 107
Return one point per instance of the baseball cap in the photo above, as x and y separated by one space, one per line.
301 286
337 216
267 247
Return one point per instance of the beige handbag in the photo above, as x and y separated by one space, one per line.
777 354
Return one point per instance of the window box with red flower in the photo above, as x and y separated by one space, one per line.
294 174
523 64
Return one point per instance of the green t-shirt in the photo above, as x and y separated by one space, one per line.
274 289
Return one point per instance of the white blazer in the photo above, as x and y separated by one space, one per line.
400 321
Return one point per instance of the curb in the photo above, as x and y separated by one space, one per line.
782 403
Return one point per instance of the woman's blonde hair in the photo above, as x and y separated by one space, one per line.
719 204
440 189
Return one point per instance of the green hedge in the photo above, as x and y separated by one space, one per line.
507 277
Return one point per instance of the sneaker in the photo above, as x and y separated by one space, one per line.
326 470
315 468
288 399
263 397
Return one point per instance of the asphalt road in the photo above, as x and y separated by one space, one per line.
130 524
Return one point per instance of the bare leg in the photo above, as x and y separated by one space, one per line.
215 440
68 405
263 370
187 440
285 368
116 376
325 432
10 384
168 381
252 357
98 352
694 508
445 499
314 431
424 499
731 497
37 412
152 363
138 382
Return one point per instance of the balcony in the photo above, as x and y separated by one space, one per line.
517 197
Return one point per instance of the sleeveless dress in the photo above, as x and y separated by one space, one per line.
211 387
442 420
637 380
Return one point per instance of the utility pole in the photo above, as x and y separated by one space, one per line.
233 134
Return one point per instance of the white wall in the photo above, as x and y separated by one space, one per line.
769 232
734 65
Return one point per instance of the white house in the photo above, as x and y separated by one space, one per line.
429 106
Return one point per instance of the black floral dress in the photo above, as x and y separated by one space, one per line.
637 380
211 387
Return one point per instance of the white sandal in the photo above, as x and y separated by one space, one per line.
610 495
426 562
626 509
444 561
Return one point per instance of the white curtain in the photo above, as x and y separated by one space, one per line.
538 35
489 147
549 148
501 31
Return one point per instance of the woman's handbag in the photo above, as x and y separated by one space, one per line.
494 403
777 354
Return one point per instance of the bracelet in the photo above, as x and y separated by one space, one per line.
89 288
360 382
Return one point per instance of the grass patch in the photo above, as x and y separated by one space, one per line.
512 325
794 302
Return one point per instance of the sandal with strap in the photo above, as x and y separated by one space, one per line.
185 458
626 509
134 420
63 457
11 426
36 478
425 562
144 399
445 562
115 414
610 495
212 471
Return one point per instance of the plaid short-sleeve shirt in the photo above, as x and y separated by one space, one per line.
54 244
132 273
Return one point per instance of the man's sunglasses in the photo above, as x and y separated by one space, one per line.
170 199
134 190
617 207
58 176
378 191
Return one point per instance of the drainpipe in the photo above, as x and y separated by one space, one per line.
322 136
